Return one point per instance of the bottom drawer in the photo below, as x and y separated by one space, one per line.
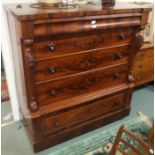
60 121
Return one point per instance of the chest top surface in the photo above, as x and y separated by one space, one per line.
27 13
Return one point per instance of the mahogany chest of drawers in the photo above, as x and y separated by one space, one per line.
74 66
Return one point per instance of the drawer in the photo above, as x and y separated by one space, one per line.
44 48
88 111
145 54
84 83
82 25
68 65
143 71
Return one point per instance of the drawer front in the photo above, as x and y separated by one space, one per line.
52 27
145 54
60 45
53 91
86 112
67 65
143 71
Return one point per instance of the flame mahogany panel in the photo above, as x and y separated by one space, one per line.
68 65
83 113
82 26
50 92
75 43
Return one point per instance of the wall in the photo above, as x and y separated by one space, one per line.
8 58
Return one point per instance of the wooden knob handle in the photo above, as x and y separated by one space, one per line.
142 55
118 56
116 75
122 36
117 103
57 124
51 70
140 66
51 47
52 92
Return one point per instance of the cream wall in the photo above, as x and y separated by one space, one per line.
8 58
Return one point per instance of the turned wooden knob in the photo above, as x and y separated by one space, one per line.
118 56
51 70
140 66
52 92
51 47
116 75
122 36
142 54
57 124
117 103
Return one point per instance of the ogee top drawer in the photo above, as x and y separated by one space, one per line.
44 48
68 65
46 28
50 92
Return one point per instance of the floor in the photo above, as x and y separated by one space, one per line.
5 103
6 112
15 140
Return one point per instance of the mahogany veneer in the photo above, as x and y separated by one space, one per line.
77 66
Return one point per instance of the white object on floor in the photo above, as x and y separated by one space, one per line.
7 117
146 120
8 123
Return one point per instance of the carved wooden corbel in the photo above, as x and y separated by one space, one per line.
130 78
28 49
139 41
29 63
31 60
33 105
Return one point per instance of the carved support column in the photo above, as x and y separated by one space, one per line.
28 64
